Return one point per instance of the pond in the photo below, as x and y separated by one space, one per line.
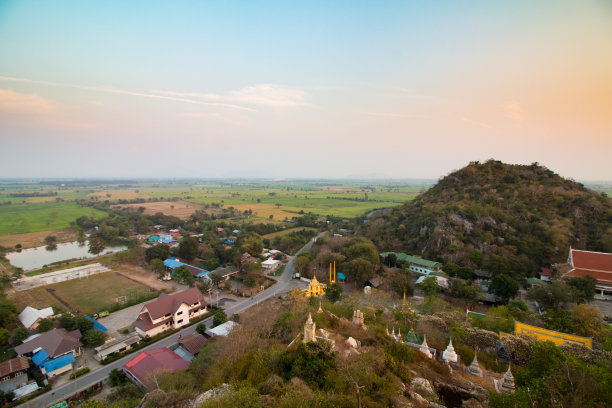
35 258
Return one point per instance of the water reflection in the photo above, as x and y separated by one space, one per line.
34 258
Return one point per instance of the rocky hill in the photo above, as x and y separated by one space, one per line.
496 216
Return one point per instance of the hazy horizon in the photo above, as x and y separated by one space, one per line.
317 90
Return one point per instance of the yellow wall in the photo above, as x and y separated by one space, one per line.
548 335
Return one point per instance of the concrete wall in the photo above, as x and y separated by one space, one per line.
59 276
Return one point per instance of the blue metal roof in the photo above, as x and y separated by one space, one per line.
341 276
202 274
97 326
40 357
173 263
61 361
166 236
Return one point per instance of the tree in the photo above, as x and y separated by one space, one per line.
253 245
204 285
158 251
189 248
117 377
333 292
587 320
45 325
550 296
504 286
4 336
8 312
201 328
249 281
430 286
66 321
157 266
216 279
227 285
360 270
401 283
19 335
362 248
219 318
182 274
83 324
583 288
50 239
391 259
94 338
301 264
96 245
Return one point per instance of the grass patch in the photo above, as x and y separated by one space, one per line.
24 218
287 231
87 295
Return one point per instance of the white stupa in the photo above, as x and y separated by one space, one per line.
425 348
449 354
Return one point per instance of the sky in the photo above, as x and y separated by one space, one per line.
303 89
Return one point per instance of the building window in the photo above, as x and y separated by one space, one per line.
180 321
179 313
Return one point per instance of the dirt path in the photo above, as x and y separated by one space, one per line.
62 301
137 281
147 278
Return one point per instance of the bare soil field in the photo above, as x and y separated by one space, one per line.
34 239
181 209
265 210
146 278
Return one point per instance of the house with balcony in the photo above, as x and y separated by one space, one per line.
170 312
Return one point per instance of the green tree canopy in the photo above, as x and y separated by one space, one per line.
504 286
188 248
45 325
219 318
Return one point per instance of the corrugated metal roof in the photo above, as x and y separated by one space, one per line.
61 361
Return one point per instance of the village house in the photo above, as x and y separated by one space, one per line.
13 374
30 317
224 273
170 312
53 352
143 369
171 264
417 264
598 265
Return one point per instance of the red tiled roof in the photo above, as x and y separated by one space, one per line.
13 365
157 359
604 278
546 272
595 261
193 342
168 304
596 264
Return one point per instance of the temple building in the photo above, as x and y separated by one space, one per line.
310 328
425 348
506 384
597 265
412 337
474 368
449 354
315 288
358 319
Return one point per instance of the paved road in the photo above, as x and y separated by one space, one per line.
284 284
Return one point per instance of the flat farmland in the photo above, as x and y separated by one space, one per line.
24 218
118 194
181 209
287 231
34 239
88 295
